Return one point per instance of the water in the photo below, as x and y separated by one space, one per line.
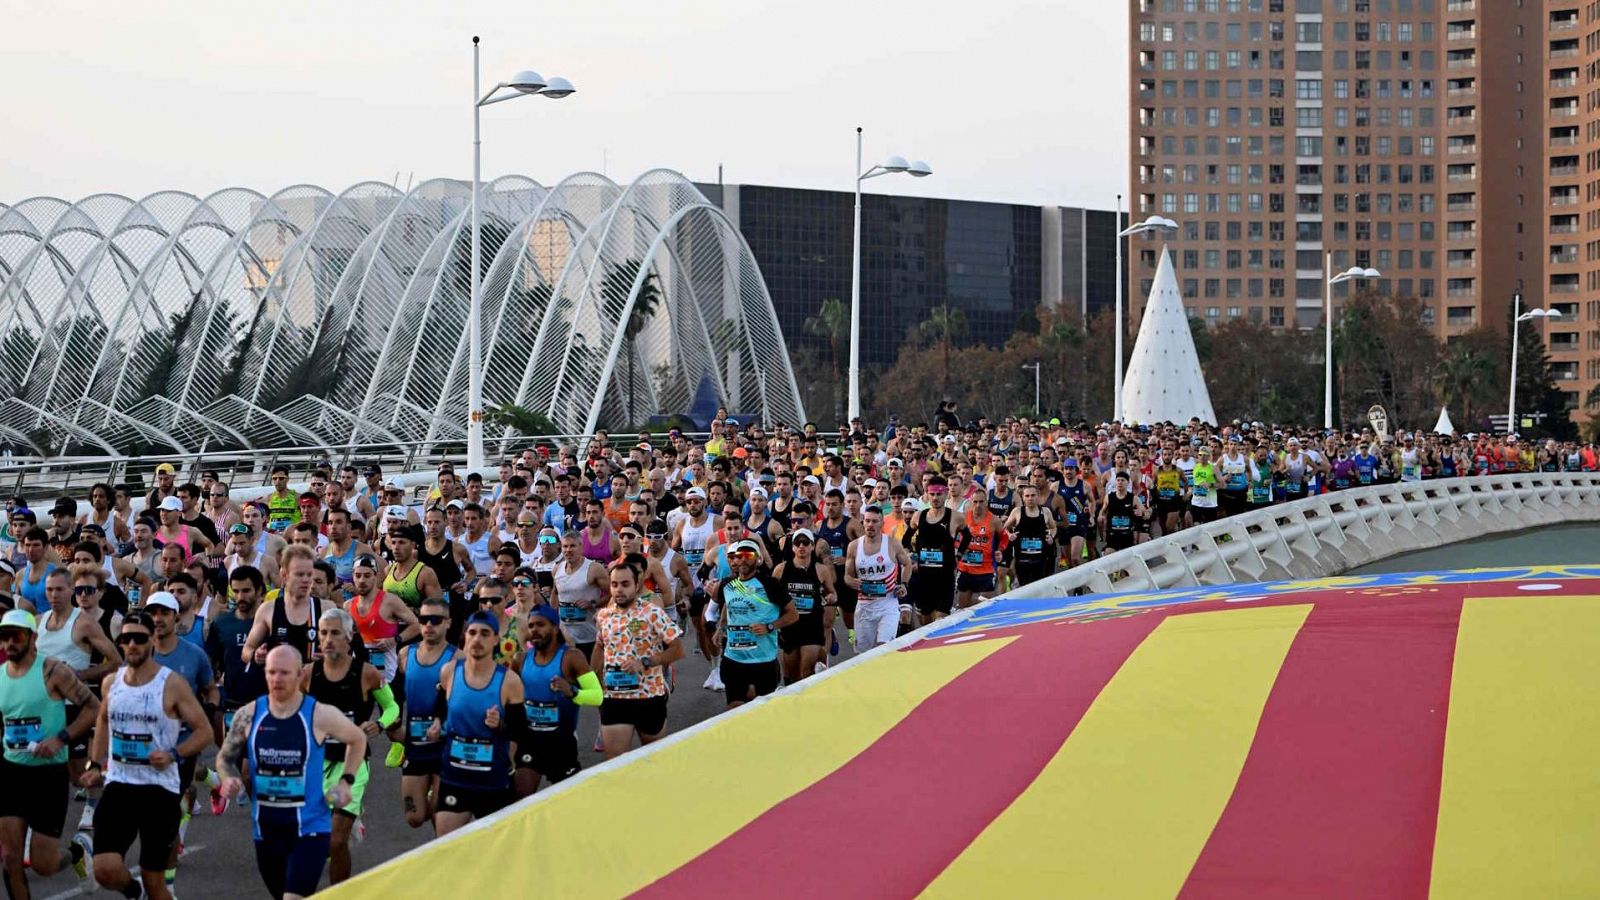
1553 545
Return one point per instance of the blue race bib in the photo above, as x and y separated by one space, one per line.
473 754
571 613
618 680
131 749
22 731
543 715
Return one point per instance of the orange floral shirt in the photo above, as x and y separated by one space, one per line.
642 629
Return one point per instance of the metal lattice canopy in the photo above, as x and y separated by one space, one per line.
241 320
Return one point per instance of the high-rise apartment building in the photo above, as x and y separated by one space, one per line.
1454 145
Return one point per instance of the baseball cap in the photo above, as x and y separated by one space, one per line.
392 485
165 469
810 479
896 461
172 504
696 492
19 618
162 598
395 512
758 492
482 618
1069 463
730 421
65 506
910 503
456 504
746 546
805 533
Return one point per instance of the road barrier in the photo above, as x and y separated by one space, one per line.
1333 533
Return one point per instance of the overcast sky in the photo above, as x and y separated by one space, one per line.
1009 100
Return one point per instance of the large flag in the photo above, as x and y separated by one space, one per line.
1375 736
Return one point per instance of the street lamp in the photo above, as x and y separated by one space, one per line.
892 166
1351 274
520 85
1152 224
1518 317
1035 368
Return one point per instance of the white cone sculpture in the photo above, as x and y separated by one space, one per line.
1164 382
1445 426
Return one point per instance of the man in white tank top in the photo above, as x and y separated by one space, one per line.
136 746
481 543
878 568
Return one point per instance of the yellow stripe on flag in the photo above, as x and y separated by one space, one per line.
1126 805
1519 804
692 793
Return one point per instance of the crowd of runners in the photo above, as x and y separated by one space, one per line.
204 651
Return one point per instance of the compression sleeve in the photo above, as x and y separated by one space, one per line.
516 719
589 692
390 710
441 703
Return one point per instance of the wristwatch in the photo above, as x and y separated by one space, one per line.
647 662
349 779
64 736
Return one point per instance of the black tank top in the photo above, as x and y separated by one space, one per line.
1001 506
774 546
805 589
344 695
1032 548
932 545
443 564
1119 513
300 637
838 538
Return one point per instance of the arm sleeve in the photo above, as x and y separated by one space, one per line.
589 692
390 709
441 703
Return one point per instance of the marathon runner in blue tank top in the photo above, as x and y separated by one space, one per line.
281 736
420 665
556 680
754 607
478 713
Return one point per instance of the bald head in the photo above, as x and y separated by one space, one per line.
283 672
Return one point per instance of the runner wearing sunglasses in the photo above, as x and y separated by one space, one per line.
419 670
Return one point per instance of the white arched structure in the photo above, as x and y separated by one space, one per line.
176 322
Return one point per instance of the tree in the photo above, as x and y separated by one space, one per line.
945 325
1536 386
831 323
1385 356
519 418
614 287
1468 374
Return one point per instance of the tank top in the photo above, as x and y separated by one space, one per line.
932 545
302 637
286 770
599 552
344 564
478 551
282 511
1119 513
838 538
108 565
373 627
1032 547
694 539
182 540
139 725
577 623
548 711
344 695
1233 472
529 557
760 530
876 570
422 681
31 715
33 591
443 564
405 588
978 557
476 757
805 590
59 643
1168 483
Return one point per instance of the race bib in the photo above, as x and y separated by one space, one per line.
22 731
417 729
472 754
131 749
874 588
280 786
804 602
618 680
571 613
1121 522
930 557
543 715
972 557
1031 545
741 638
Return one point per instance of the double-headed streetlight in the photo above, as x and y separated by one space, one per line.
522 84
1351 274
1153 224
1518 317
891 166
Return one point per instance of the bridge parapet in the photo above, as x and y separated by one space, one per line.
1332 533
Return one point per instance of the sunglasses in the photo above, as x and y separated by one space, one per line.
490 601
801 542
133 637
549 539
522 582
527 524
85 590
744 554
431 620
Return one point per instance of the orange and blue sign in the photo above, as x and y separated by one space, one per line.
1420 735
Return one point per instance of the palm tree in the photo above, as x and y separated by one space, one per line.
1060 339
830 324
1462 376
945 324
645 304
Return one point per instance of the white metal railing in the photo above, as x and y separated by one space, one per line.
1332 533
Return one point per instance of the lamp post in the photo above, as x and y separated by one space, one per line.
522 84
1154 223
1351 274
893 165
1517 318
1035 368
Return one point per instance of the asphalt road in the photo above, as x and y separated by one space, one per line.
220 859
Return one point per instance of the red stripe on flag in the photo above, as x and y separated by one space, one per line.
1339 796
890 820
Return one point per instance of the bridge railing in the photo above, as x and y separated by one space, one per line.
1332 533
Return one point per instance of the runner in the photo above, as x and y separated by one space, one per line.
1203 495
1118 511
930 539
478 715
556 680
281 736
480 542
836 531
34 696
188 660
419 666
137 746
877 567
811 587
383 622
351 687
977 543
292 618
242 679
1032 529
343 547
407 577
67 634
636 641
283 505
754 607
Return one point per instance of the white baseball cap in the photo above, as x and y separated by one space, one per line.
163 598
695 492
172 504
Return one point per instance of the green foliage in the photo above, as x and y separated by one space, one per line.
520 419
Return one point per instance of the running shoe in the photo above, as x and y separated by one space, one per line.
82 866
219 803
834 650
397 755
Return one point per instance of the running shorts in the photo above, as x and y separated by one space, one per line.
148 812
332 770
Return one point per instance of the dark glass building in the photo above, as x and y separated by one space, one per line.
993 261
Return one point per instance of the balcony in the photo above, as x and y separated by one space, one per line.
1564 52
1463 149
1470 176
1462 206
1461 119
1460 5
1565 140
1462 293
1561 84
1569 198
1471 63
1563 111
1564 287
1461 34
1462 234
1563 171
1564 228
1564 259
1465 262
